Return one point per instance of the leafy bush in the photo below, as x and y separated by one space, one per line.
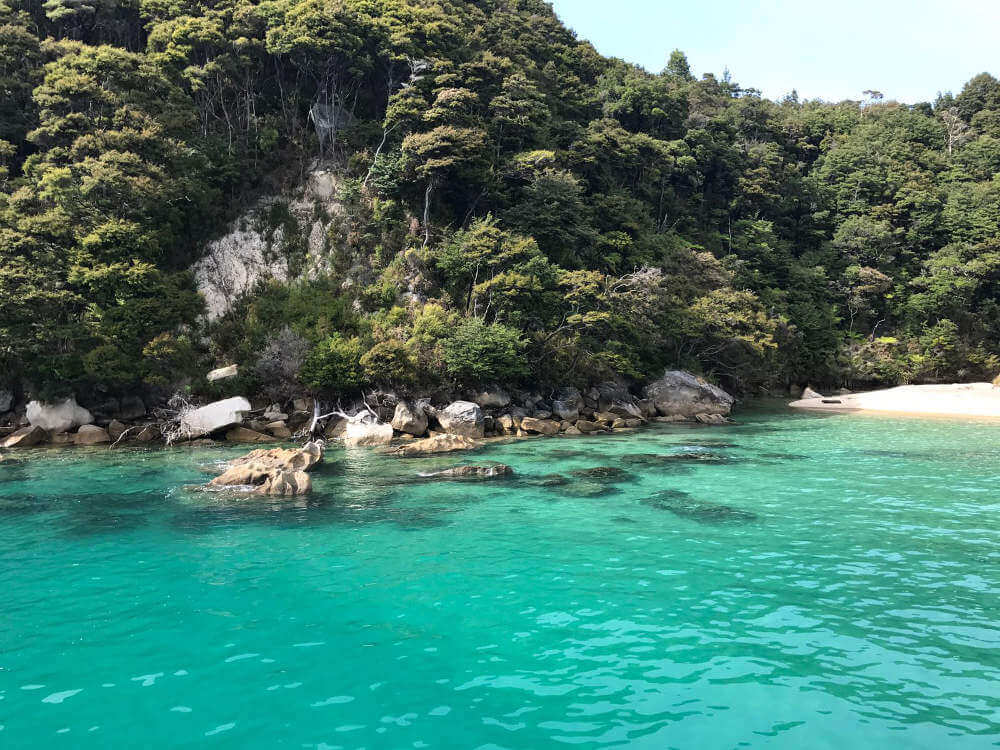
477 352
335 364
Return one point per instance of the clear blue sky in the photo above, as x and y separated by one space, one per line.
908 49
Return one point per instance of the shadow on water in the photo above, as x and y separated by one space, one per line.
681 504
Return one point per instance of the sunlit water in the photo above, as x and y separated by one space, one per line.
790 582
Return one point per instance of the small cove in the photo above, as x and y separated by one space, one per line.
791 581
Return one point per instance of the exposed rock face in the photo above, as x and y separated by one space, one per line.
24 438
410 418
437 444
540 426
493 399
367 434
279 430
91 434
116 429
496 471
216 416
680 393
243 435
222 373
58 417
275 472
462 418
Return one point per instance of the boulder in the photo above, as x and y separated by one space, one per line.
605 417
244 435
626 409
647 408
587 427
680 393
335 428
633 423
148 434
91 434
275 415
573 430
303 404
299 418
62 438
711 419
367 434
116 429
264 480
223 373
540 426
437 444
610 392
462 418
131 407
566 410
410 418
505 423
285 459
495 398
279 430
59 417
220 415
810 393
496 471
24 437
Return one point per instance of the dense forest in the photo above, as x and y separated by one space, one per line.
516 207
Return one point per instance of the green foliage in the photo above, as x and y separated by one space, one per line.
335 364
476 352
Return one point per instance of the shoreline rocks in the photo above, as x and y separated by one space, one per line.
276 472
214 417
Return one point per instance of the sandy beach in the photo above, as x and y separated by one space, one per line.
957 400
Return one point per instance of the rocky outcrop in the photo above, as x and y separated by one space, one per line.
220 415
494 398
279 430
24 437
810 393
91 434
437 444
462 418
494 471
567 404
410 418
540 426
59 417
367 434
244 435
682 394
275 472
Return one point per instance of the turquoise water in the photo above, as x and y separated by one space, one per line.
790 582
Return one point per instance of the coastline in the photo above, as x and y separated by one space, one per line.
954 401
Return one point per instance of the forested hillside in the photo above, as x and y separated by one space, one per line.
517 208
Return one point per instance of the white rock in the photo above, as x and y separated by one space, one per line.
367 434
216 416
462 418
223 373
810 393
59 417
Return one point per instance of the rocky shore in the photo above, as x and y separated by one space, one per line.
405 426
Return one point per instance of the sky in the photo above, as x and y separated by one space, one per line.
908 49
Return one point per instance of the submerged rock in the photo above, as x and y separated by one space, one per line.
495 471
602 474
437 444
683 505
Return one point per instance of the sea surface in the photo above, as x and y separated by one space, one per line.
792 581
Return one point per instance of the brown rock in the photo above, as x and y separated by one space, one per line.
711 419
442 443
62 438
287 459
25 437
335 428
116 429
573 430
496 471
587 427
541 426
148 434
91 434
605 416
275 472
244 435
634 422
279 430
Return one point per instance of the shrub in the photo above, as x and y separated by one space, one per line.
278 367
334 364
476 352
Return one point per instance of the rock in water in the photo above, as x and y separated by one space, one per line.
540 426
496 471
24 438
59 417
220 415
462 418
410 418
682 394
91 434
367 434
275 472
437 444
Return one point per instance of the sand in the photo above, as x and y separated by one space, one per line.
956 400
